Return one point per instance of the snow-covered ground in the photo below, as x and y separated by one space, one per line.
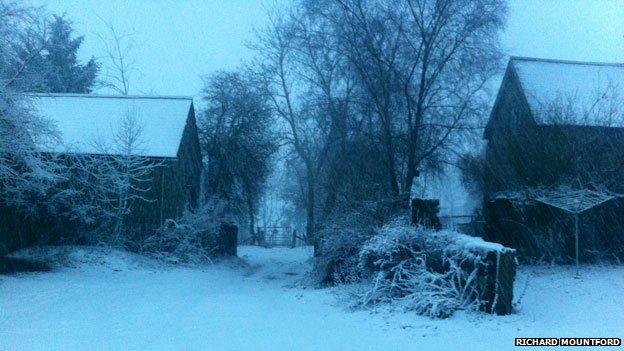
110 300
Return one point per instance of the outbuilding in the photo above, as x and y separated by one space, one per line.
86 123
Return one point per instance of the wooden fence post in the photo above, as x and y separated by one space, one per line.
228 239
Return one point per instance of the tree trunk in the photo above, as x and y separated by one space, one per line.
251 212
310 215
389 148
411 168
392 177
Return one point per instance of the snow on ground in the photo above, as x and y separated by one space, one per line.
111 300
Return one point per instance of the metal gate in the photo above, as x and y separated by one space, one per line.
277 236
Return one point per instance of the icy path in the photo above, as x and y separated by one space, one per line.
120 304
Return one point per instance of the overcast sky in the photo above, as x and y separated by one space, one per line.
178 41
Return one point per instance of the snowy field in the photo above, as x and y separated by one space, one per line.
109 300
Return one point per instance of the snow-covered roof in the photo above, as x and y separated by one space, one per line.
85 122
545 82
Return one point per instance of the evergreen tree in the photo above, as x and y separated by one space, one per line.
65 74
51 56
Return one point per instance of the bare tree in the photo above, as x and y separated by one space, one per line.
277 71
121 176
398 79
424 65
453 50
370 40
305 78
119 66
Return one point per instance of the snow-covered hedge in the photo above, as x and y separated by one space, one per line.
434 273
194 238
338 261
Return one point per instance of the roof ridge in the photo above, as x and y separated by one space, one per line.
569 62
106 96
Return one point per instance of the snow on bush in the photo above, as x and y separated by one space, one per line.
191 239
26 175
340 245
339 261
432 273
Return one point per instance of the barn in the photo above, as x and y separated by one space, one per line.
168 135
546 115
556 129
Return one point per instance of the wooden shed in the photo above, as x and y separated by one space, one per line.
556 124
556 121
168 135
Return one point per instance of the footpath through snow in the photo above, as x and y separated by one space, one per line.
111 300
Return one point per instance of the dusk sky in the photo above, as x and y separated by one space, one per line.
180 41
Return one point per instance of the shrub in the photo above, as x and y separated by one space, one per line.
341 241
429 272
435 273
339 262
191 239
346 230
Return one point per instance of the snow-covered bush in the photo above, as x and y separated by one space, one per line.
26 175
343 233
341 241
339 260
191 239
434 273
